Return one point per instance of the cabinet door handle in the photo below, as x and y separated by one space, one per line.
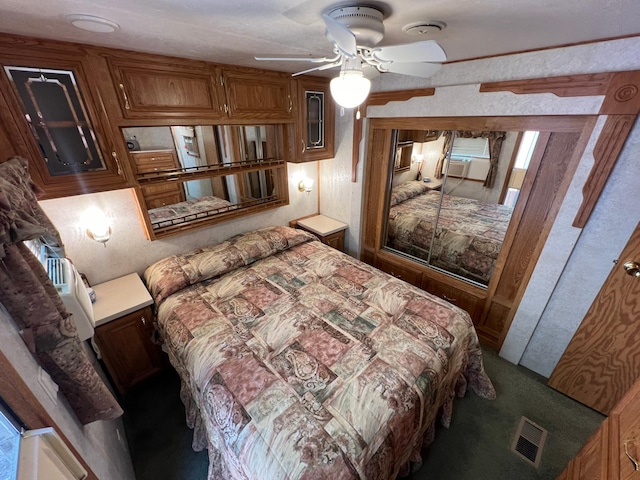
630 445
290 103
144 321
449 299
115 157
304 146
126 99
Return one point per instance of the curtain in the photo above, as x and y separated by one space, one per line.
495 145
33 302
448 140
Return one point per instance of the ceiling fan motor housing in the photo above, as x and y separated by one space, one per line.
366 23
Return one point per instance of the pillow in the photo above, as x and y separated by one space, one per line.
407 190
174 273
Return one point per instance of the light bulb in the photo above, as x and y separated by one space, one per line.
350 89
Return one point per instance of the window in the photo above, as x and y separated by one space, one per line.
9 444
468 148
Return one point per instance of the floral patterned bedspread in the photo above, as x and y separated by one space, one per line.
300 362
187 211
469 234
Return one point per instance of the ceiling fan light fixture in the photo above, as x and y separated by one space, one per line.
350 88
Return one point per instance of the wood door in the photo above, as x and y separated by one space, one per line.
602 360
316 122
127 350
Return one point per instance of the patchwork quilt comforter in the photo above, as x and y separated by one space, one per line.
300 362
468 237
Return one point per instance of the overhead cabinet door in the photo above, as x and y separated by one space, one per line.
261 96
162 90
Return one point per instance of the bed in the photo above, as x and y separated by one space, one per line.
468 237
300 362
189 210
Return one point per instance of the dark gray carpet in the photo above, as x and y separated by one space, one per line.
476 446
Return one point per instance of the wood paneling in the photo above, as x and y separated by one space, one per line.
603 359
623 95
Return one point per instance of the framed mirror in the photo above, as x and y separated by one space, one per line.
195 175
451 206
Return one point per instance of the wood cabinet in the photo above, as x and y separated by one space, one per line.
126 348
329 231
56 119
611 451
258 95
467 298
152 90
315 126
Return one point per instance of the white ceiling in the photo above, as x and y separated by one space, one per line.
228 31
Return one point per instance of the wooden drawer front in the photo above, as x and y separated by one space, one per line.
163 194
145 162
148 92
127 350
255 96
399 271
465 300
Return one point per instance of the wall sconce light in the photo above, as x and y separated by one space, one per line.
97 226
305 185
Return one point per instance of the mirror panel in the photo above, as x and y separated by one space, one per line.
451 205
190 175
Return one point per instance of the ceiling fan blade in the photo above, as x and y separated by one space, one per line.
317 69
344 39
414 69
295 58
427 51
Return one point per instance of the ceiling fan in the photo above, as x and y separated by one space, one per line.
355 31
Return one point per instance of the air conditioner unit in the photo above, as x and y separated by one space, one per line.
73 293
458 168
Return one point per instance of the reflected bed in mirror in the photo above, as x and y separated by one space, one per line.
451 209
191 176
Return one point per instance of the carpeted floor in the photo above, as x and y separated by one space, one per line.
476 446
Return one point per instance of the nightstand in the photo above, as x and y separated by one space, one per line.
434 185
124 327
329 231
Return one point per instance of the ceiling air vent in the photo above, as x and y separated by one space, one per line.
529 441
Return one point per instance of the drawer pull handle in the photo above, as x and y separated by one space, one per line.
630 445
449 299
126 99
290 103
144 321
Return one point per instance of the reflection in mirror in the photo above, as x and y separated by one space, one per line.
451 207
200 148
203 198
202 174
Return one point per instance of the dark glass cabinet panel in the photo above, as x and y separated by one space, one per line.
315 120
57 117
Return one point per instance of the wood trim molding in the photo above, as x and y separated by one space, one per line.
610 142
564 86
379 98
17 394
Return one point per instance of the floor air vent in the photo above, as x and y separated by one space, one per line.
529 441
